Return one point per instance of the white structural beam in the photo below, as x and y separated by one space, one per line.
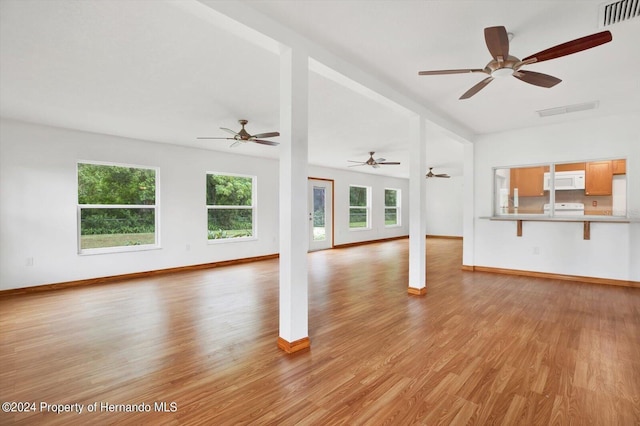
468 219
417 217
254 21
294 81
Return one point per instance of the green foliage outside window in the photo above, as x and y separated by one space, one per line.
104 184
103 193
391 207
357 196
225 190
318 207
358 207
230 206
390 198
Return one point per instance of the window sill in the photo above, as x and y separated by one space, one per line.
120 249
231 240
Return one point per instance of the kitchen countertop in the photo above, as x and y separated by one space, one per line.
585 218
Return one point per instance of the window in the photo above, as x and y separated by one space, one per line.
231 207
583 188
392 207
520 190
117 208
359 207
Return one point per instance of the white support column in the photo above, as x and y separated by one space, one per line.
294 223
468 220
417 216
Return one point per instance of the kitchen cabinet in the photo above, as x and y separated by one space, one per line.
570 167
528 180
619 167
599 178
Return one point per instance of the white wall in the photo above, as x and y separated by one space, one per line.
342 178
38 196
613 250
444 206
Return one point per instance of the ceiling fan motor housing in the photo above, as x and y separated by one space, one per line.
502 68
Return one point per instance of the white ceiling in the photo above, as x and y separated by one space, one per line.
170 71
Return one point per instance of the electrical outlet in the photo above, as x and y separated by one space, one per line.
594 203
29 261
536 250
188 247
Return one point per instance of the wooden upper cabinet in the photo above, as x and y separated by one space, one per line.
599 178
570 167
620 167
528 180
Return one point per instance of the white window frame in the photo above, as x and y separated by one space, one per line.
396 208
253 207
367 207
154 207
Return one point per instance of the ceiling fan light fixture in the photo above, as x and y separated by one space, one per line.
502 72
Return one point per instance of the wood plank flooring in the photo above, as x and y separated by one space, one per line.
478 348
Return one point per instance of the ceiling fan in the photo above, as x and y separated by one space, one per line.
441 175
503 64
373 163
243 136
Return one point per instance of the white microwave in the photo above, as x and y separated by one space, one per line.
565 180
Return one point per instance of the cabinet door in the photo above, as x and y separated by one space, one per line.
528 180
599 178
620 167
570 167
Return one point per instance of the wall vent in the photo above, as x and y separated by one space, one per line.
568 109
614 12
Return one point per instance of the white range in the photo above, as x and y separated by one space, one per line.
566 209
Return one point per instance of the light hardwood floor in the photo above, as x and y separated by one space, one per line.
478 348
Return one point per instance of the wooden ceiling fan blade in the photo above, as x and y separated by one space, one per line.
272 143
443 175
389 162
266 135
497 42
570 47
536 78
459 71
475 89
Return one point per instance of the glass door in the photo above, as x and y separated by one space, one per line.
320 214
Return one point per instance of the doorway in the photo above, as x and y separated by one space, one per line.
320 214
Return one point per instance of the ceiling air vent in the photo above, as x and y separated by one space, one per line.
618 11
567 109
